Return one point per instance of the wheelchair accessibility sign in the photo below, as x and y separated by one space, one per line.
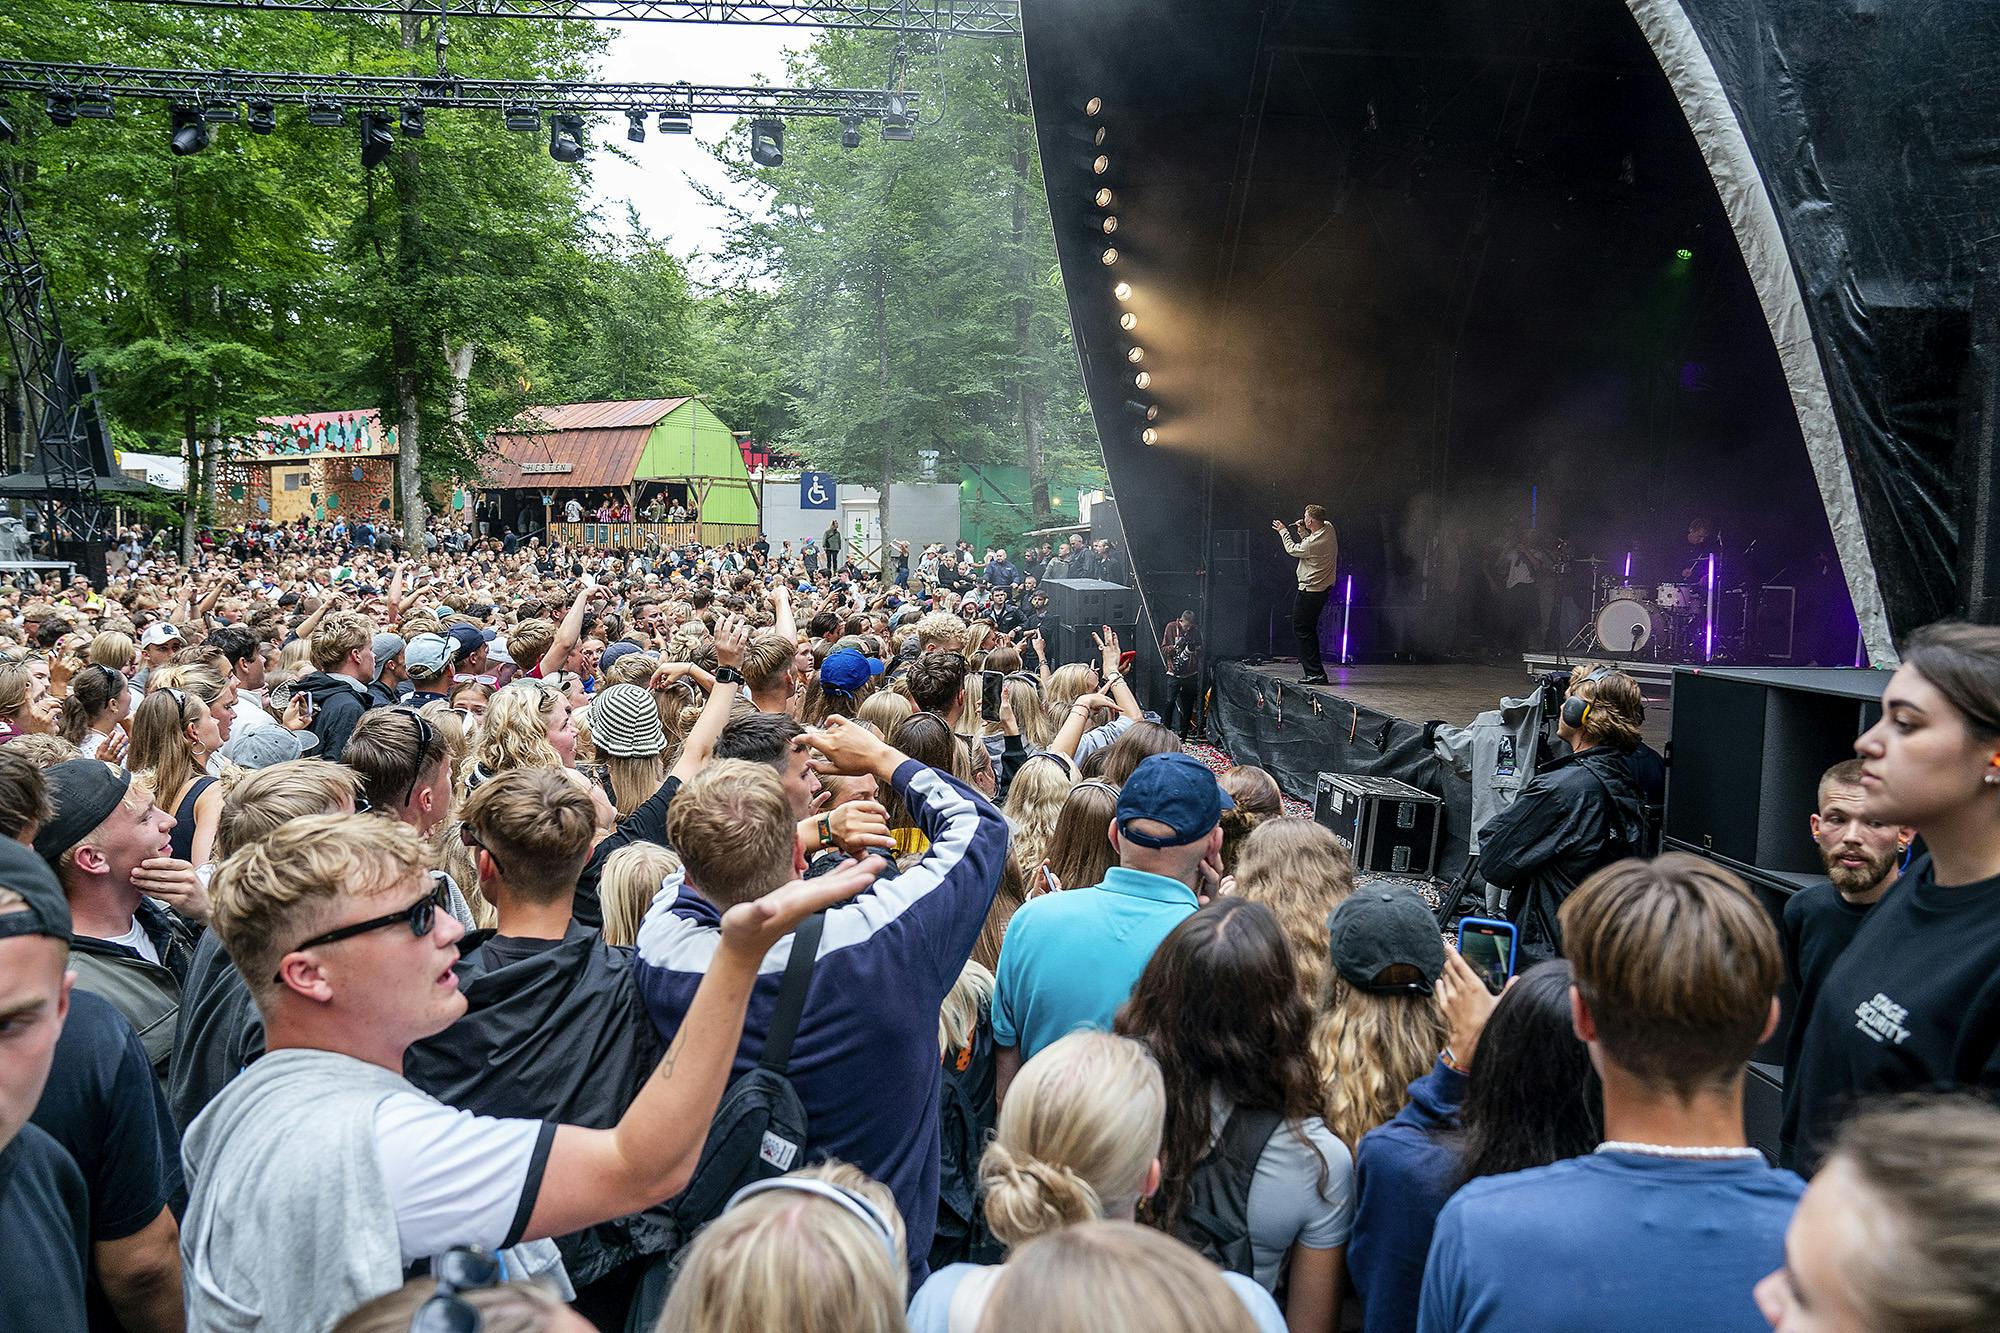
817 490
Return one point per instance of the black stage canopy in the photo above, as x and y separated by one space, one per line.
1596 266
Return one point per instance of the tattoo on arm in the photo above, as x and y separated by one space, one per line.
666 1069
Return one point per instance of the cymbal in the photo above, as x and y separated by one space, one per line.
1588 560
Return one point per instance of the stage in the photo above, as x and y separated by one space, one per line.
1370 719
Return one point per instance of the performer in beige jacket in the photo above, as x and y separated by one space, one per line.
1317 551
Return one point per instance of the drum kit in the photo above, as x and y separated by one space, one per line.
1661 621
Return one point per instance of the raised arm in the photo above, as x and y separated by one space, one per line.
570 632
784 621
731 635
1121 694
1070 734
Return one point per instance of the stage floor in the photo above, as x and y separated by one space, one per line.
1451 692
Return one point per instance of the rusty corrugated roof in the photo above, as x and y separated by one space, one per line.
562 459
597 416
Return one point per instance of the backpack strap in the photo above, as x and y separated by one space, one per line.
791 1005
1244 1137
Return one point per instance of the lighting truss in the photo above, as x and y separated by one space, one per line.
960 18
391 93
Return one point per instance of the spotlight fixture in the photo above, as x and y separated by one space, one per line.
221 113
1102 198
61 108
1093 107
635 125
260 116
1100 164
676 122
1149 436
898 125
325 115
1110 255
1128 321
850 131
190 135
410 119
376 140
521 117
1135 354
1150 411
767 142
566 137
1123 291
1142 380
95 106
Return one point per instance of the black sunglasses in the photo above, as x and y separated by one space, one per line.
426 737
470 837
419 916
447 1311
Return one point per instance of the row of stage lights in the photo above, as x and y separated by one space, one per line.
188 124
1105 225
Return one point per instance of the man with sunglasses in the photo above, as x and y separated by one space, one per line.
320 1173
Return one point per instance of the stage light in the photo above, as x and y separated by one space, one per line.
521 117
61 108
1135 355
1102 198
221 113
767 143
376 140
260 116
566 137
1684 254
1093 107
1142 380
1123 291
1128 321
676 122
635 125
850 131
190 135
899 129
1149 436
325 115
95 106
1110 255
1100 164
1150 411
410 119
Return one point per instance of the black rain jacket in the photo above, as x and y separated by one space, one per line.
1578 815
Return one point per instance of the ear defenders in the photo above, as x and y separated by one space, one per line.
1576 708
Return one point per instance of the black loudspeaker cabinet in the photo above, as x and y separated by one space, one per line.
1092 602
1746 756
1388 826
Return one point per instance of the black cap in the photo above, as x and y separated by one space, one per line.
28 875
84 792
1378 928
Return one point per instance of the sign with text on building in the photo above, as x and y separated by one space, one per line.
817 490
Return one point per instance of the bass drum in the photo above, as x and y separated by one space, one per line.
1626 625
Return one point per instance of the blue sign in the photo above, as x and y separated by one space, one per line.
817 491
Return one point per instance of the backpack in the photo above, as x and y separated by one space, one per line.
759 1130
1215 1216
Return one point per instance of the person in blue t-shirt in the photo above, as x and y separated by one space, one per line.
1674 1219
1070 959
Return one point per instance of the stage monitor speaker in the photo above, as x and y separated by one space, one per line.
1771 630
1092 602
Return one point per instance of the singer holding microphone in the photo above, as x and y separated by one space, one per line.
1316 550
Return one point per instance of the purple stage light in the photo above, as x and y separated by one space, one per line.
1346 615
1708 634
1628 564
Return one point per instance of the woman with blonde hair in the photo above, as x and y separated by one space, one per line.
527 725
1219 1007
1034 800
818 1251
503 1307
630 881
1257 799
1114 1277
1380 1026
886 710
173 734
25 706
1078 1140
1299 870
116 650
1080 850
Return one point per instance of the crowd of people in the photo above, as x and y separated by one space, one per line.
710 939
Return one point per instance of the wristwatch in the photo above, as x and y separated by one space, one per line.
1111 678
728 675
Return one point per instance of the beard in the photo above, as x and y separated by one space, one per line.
1852 879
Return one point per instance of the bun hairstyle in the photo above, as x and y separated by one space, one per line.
1076 1138
1257 799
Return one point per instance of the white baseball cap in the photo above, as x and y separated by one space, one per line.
156 635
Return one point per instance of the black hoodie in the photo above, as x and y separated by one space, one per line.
338 704
1577 815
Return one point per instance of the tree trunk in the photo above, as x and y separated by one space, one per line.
1027 401
458 360
191 471
404 348
888 431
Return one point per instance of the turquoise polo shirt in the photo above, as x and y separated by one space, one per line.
1070 959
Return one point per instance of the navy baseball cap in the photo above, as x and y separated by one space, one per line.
846 670
29 875
1172 789
468 639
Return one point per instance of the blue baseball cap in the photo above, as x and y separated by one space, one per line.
468 639
846 670
1172 789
